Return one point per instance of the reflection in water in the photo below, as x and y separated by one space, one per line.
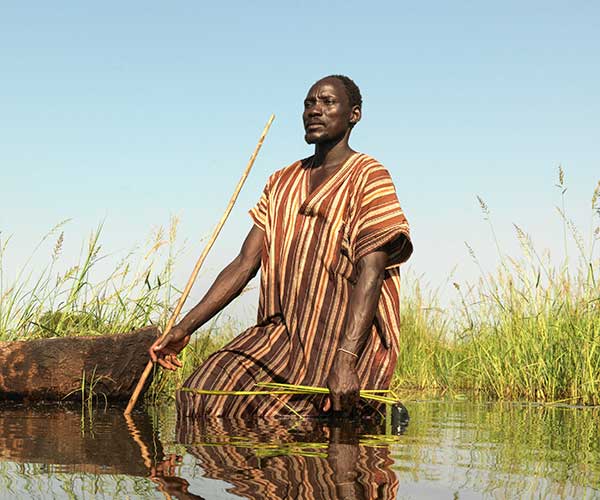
450 450
58 452
64 440
304 460
504 450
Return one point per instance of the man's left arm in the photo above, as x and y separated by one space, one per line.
342 381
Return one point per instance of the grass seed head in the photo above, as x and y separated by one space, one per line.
58 246
471 251
595 196
561 176
484 207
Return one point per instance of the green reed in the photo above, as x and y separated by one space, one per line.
81 299
530 330
89 297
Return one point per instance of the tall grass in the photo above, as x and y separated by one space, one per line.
530 330
136 291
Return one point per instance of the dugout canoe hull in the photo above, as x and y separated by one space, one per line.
53 369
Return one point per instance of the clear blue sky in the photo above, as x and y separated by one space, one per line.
128 112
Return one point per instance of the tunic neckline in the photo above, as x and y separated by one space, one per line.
311 198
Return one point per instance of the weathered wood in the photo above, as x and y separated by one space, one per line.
52 369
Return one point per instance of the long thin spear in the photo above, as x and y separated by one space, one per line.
188 287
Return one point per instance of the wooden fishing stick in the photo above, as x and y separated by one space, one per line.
190 283
145 453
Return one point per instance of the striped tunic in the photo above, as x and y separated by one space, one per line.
312 243
299 465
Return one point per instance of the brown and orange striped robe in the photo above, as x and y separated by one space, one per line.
312 242
299 465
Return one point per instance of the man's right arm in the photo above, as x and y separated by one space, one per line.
229 284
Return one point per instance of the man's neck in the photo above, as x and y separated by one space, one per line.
332 154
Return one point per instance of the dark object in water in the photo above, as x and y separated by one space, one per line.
56 436
400 418
393 417
53 369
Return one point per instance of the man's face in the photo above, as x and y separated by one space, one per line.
327 112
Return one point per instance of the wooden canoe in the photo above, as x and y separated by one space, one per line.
52 369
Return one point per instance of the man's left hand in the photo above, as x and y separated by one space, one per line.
343 384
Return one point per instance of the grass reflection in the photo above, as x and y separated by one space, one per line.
450 449
503 449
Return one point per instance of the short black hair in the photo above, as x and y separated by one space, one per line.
352 90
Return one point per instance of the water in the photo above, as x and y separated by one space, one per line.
450 450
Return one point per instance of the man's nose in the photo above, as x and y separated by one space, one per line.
315 109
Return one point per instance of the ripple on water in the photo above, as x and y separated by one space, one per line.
450 449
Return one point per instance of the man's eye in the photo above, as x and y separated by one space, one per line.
329 102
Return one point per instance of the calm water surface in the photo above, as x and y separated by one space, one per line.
450 450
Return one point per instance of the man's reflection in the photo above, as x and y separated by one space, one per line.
276 459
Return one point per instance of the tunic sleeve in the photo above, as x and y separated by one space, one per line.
380 220
259 212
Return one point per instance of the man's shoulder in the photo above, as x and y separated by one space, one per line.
367 166
364 166
290 170
368 162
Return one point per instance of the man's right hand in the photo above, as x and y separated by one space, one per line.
164 352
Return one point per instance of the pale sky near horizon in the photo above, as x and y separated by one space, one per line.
128 112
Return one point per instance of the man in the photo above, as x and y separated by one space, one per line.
328 236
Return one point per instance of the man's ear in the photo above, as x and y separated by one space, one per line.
355 115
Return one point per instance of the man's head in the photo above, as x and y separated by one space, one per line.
331 108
